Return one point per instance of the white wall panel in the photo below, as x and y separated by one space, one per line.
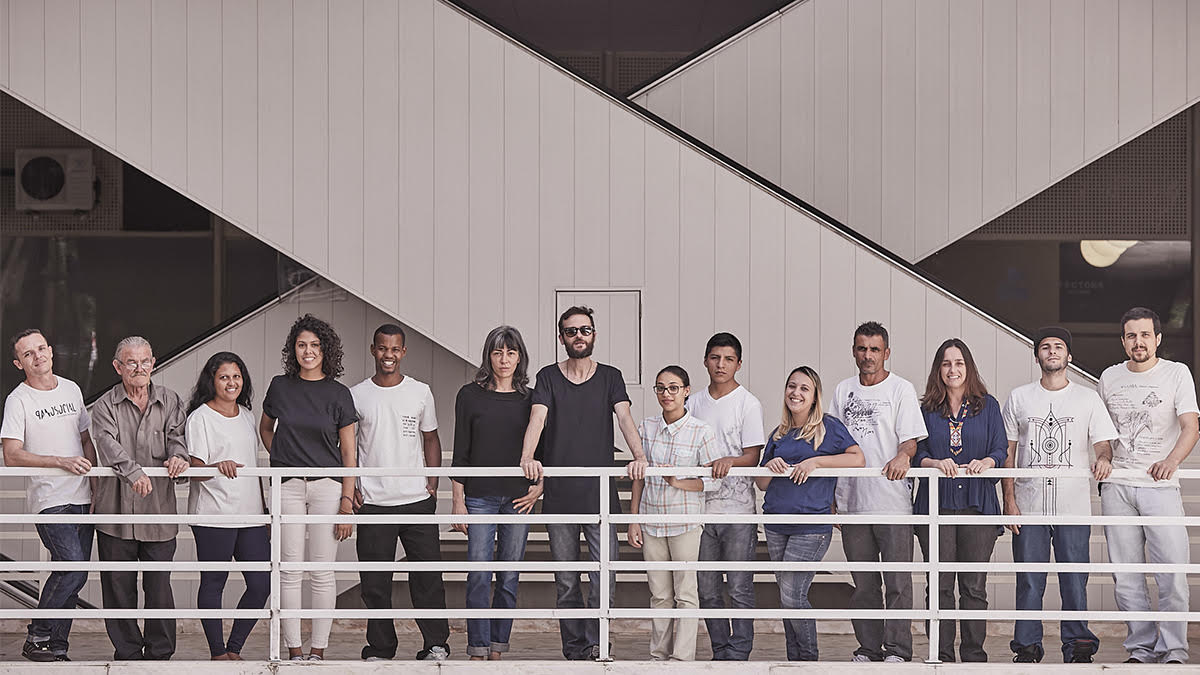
763 87
275 124
698 102
133 81
26 49
1033 96
239 112
556 192
63 63
1035 87
416 160
591 174
837 317
521 200
865 25
980 337
660 332
1135 59
1170 56
1067 82
965 194
906 333
830 190
168 91
347 141
485 244
451 101
802 293
4 28
698 254
731 117
381 259
898 144
627 210
98 72
667 101
205 133
768 269
310 132
872 288
731 276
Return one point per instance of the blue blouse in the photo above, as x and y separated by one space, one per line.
982 436
814 495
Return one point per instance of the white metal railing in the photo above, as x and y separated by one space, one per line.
605 612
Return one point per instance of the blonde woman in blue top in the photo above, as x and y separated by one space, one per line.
674 438
966 435
806 439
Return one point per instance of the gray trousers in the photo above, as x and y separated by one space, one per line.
880 638
961 543
1149 641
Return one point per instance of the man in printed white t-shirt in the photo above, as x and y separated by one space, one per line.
736 417
397 427
1152 401
882 413
1051 424
46 426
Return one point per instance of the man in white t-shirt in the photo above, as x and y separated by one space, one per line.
1051 424
397 427
736 417
882 413
1152 401
46 426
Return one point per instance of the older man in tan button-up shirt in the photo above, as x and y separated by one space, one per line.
138 424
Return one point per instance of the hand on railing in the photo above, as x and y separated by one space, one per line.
977 466
76 465
228 468
948 467
636 470
721 467
532 469
175 466
1163 470
525 504
897 467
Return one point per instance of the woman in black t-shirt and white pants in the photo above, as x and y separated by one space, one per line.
491 414
316 426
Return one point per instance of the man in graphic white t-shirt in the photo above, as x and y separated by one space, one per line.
882 413
736 417
46 425
1051 425
1153 403
397 427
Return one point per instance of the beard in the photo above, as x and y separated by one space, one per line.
1062 365
580 352
1141 357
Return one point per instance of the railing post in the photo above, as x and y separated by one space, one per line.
605 546
276 485
933 581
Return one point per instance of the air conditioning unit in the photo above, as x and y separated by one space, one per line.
55 179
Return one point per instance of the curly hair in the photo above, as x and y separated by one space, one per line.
331 347
206 386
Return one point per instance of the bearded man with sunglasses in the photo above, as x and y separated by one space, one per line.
573 404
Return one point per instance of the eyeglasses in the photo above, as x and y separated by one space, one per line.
572 331
144 364
670 388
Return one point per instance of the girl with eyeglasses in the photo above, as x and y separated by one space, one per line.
673 438
806 439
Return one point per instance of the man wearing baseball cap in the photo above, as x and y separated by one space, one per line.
1051 424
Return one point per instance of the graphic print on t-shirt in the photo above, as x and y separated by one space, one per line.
1050 448
860 415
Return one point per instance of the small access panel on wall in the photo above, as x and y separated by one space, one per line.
618 317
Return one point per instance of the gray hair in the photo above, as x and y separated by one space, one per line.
131 342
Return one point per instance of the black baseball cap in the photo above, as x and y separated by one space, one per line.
1052 332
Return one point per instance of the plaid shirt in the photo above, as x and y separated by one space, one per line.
685 442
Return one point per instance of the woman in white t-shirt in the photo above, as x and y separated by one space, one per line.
222 433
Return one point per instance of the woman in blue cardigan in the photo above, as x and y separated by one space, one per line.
966 435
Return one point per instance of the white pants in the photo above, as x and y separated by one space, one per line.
311 497
1149 641
673 639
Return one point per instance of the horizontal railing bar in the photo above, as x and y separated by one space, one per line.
768 518
134 565
444 566
1191 521
915 566
1061 615
446 518
138 518
135 613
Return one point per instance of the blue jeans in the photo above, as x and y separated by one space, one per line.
1070 544
222 544
733 639
66 542
486 542
578 635
801 634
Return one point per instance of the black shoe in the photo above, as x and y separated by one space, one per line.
37 651
1030 654
1082 651
594 653
1175 662
1133 660
62 657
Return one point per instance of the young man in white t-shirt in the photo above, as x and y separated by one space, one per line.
46 426
1152 401
397 427
882 413
1051 424
736 417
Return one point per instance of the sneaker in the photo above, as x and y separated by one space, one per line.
1133 660
1082 651
1030 654
860 658
316 657
892 658
62 656
37 651
594 653
298 657
434 653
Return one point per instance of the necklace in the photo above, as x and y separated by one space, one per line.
956 424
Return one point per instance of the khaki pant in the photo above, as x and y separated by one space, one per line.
673 638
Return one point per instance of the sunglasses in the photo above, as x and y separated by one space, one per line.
572 331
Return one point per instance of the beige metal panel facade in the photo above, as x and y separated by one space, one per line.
917 121
514 182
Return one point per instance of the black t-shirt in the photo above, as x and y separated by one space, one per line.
310 413
489 429
578 432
